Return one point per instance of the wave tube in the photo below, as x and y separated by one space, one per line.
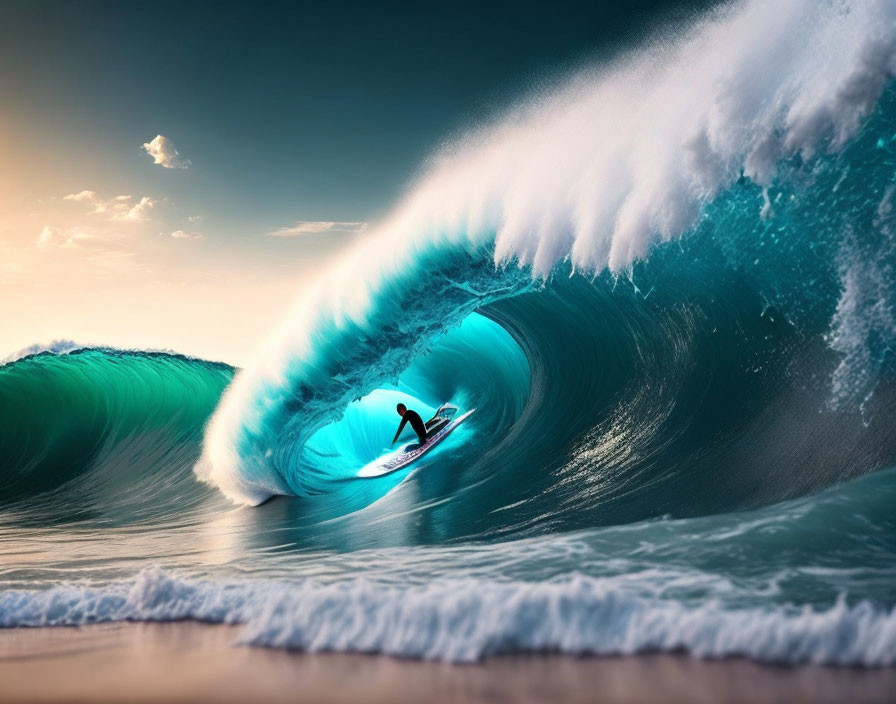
728 191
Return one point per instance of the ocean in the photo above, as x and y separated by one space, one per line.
667 285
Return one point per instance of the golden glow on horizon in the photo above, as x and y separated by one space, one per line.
100 263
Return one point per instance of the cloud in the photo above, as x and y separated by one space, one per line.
164 153
119 208
57 237
89 197
181 235
138 212
97 247
314 227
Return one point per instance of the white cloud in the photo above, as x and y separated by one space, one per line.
181 235
314 227
89 197
94 246
138 213
120 208
56 237
164 153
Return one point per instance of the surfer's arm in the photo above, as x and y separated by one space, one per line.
400 428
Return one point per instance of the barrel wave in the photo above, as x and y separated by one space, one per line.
668 288
688 269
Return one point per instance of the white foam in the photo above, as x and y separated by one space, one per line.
865 317
626 155
60 346
463 621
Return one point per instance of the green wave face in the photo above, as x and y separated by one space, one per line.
102 421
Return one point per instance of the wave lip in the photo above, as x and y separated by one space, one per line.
57 347
464 621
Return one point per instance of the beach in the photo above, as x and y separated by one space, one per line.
189 661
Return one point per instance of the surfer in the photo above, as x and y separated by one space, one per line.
412 417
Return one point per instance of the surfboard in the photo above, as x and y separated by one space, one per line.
412 451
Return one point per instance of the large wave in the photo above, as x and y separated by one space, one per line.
723 203
104 426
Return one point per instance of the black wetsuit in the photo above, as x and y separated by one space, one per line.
416 422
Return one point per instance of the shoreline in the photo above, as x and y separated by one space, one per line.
190 661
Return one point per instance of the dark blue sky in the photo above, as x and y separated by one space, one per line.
287 110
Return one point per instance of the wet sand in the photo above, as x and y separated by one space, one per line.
192 662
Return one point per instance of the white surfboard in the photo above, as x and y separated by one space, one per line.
410 452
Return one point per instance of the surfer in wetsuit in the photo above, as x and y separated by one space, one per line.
414 419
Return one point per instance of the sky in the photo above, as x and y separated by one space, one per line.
172 172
